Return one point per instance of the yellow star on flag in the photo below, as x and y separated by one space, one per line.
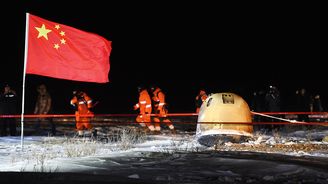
62 41
62 33
56 46
43 31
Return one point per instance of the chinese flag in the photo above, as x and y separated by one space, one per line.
59 51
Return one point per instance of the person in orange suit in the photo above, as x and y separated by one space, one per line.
200 98
83 103
160 109
144 106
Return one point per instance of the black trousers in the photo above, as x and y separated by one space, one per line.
6 123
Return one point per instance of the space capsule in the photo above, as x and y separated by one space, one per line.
224 117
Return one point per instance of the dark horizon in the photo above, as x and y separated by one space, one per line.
178 48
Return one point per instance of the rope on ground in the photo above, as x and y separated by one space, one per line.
274 117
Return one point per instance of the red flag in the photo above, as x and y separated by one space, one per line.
60 51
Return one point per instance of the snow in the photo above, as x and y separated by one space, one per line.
170 157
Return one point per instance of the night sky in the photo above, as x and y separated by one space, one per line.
180 48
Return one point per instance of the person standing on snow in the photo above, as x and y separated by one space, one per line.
303 104
272 104
144 106
160 109
43 106
82 103
8 103
316 104
200 98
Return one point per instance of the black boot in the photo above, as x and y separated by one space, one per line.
94 133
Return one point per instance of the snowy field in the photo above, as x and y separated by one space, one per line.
295 155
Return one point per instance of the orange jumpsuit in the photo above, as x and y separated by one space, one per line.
200 98
83 103
160 110
144 106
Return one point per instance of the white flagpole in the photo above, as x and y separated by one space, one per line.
24 73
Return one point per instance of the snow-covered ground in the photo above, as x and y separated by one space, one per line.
294 156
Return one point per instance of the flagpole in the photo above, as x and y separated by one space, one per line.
24 73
